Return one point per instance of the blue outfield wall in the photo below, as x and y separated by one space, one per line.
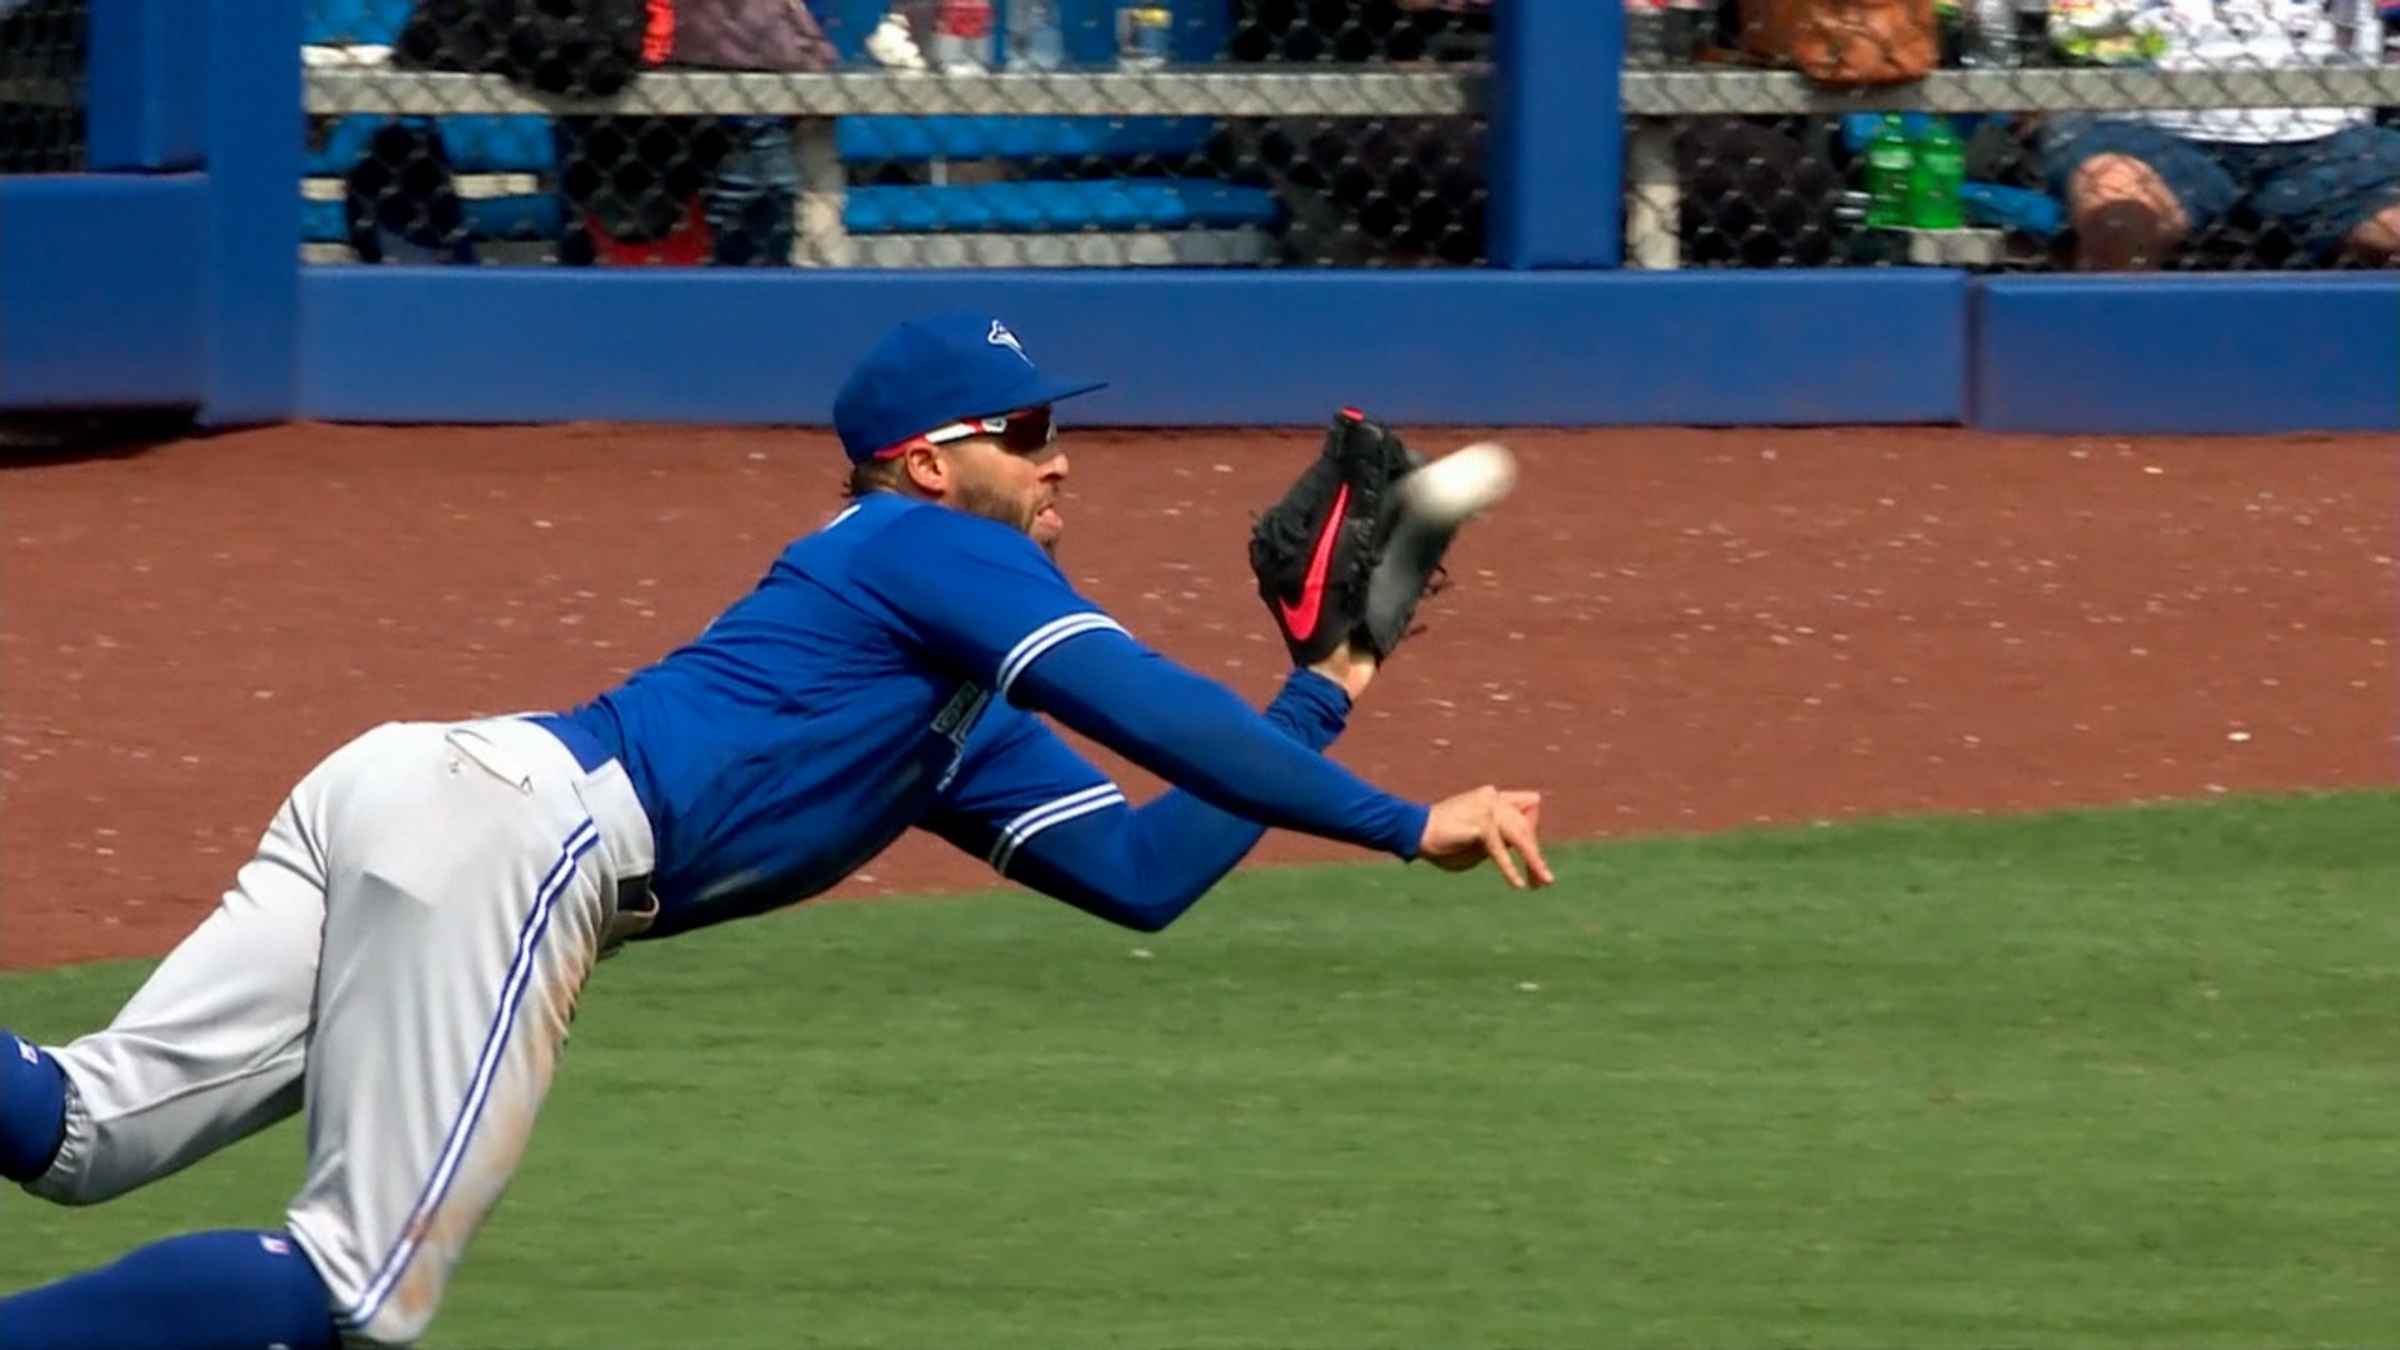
2189 353
1181 348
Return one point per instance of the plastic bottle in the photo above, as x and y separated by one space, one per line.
1991 35
1937 169
1889 158
1035 41
962 36
1145 32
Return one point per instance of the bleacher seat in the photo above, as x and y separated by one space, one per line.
918 139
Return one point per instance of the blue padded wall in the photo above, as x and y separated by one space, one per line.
1182 348
2187 353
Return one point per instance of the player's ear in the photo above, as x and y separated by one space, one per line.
927 469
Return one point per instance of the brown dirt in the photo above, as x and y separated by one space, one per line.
1665 630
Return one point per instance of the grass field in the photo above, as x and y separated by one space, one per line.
2108 1079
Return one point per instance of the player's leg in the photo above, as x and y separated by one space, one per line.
233 1290
209 1050
457 940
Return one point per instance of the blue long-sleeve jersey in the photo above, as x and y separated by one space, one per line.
883 675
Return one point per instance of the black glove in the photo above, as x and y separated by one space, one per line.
1333 558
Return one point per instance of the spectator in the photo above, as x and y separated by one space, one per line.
680 189
2138 186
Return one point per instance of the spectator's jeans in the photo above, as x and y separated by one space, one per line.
752 196
633 175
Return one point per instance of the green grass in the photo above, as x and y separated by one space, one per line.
2105 1079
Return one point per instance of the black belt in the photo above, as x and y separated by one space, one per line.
634 893
637 909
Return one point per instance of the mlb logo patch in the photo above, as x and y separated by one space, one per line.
26 1052
275 1246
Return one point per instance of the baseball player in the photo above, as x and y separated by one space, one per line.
402 956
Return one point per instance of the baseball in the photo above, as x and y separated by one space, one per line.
1461 483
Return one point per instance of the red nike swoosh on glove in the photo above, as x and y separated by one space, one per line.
1301 619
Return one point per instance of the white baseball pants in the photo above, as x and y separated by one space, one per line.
400 960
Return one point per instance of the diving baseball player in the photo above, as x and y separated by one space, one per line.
402 956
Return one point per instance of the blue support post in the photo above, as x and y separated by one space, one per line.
250 303
145 79
1557 133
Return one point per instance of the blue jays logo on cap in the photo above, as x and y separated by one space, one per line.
940 374
1001 337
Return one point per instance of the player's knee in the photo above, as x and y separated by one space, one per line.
88 1170
62 1187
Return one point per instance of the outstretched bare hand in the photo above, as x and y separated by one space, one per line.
1464 830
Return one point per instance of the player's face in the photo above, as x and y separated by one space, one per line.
1014 477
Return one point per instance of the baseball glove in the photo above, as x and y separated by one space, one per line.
1330 564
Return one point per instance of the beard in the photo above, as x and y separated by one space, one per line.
977 500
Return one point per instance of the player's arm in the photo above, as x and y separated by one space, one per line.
983 598
1192 731
1044 816
1196 733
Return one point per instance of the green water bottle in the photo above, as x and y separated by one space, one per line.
1889 160
1935 174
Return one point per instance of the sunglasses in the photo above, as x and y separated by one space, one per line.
1028 431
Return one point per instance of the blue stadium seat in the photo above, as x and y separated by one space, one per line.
535 216
1022 208
474 143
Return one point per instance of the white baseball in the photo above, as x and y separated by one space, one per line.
1459 484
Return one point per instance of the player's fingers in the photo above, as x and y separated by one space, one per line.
1526 839
1495 847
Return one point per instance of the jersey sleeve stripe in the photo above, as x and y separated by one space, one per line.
1031 819
1049 635
1042 817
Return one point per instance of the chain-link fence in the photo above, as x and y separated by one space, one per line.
2013 134
41 86
897 132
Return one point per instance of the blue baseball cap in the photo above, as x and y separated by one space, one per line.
938 378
